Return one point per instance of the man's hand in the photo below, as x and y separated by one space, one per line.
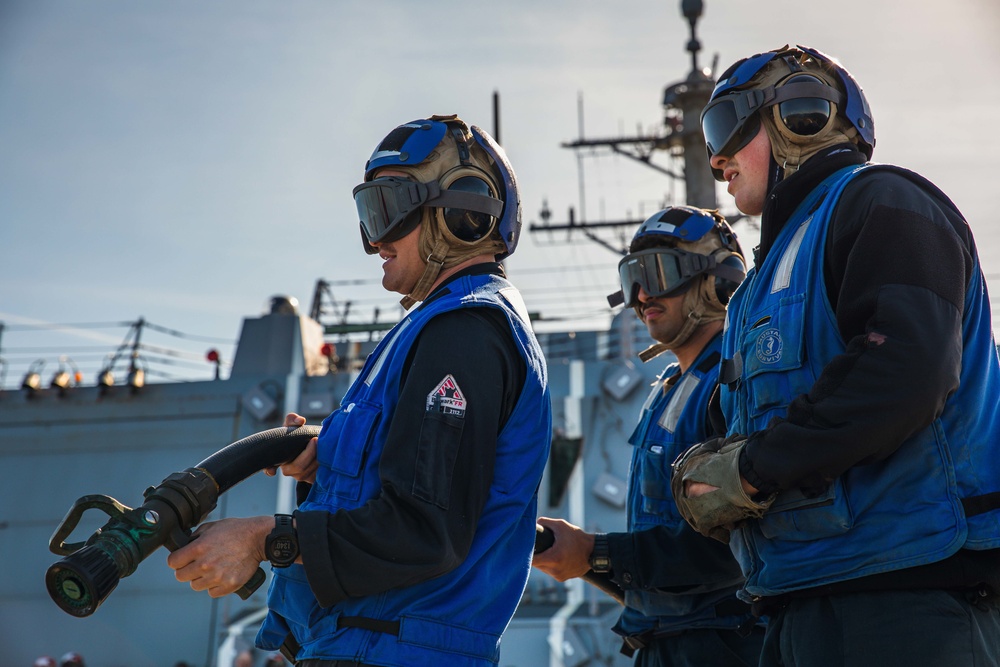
303 467
222 555
569 555
695 489
709 491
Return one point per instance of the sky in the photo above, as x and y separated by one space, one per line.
183 161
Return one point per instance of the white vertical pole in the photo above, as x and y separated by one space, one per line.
573 410
285 503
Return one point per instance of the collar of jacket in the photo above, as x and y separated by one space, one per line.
474 270
785 197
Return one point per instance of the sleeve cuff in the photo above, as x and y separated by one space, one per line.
301 492
317 560
623 565
748 472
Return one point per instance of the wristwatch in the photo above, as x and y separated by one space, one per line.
282 545
600 557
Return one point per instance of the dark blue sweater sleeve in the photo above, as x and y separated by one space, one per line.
436 469
897 265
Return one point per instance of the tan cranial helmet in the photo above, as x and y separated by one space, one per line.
826 127
682 250
805 98
469 203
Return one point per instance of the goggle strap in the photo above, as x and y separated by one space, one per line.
693 264
749 101
808 89
468 201
728 272
431 194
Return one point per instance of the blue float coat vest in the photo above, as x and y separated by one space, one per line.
898 513
672 421
456 618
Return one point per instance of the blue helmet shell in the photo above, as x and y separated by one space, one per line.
406 146
685 224
856 109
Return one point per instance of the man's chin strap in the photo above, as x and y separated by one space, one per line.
699 312
692 322
435 262
443 251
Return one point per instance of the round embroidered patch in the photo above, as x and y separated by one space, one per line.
769 346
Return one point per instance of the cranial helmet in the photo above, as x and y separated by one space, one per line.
682 250
806 100
458 181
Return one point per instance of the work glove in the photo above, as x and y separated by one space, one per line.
715 462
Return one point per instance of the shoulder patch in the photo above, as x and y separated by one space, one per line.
447 398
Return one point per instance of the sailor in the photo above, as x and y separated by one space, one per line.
411 545
679 587
860 478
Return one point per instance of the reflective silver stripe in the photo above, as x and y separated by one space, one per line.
682 392
385 351
512 296
783 275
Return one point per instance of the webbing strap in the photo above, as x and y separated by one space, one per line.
289 648
981 504
388 627
730 370
710 362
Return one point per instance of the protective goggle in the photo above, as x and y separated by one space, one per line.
389 206
731 121
659 272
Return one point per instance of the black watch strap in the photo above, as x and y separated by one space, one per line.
600 558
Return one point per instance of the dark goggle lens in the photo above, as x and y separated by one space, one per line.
719 124
383 208
725 133
658 272
805 116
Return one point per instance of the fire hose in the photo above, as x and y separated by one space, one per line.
91 570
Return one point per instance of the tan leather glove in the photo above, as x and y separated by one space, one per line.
715 462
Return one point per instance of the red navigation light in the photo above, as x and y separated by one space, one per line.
214 357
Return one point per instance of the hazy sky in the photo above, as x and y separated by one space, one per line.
183 161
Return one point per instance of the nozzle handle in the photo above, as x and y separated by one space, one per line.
107 504
247 589
179 538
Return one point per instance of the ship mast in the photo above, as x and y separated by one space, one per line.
681 137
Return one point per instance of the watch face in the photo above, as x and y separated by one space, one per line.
282 548
282 545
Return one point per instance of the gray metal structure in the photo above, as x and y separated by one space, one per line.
118 441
